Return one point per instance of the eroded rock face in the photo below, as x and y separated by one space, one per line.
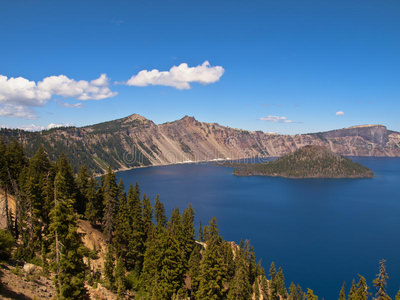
136 141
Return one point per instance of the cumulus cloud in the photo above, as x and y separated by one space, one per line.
178 77
21 91
17 111
33 127
69 105
340 113
277 119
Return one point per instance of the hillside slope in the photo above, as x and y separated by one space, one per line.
136 141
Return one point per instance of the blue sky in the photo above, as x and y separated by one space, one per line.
276 66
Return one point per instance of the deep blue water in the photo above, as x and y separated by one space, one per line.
321 231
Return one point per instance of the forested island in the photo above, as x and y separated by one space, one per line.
307 162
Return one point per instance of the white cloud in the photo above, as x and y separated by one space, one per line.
69 105
276 119
21 91
33 127
340 113
17 111
178 77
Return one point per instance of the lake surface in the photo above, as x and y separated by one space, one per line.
320 231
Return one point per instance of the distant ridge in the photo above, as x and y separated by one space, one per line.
136 141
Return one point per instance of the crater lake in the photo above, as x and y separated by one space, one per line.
320 231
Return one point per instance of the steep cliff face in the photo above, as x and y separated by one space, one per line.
136 141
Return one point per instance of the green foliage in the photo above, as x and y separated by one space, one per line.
306 162
310 295
6 243
342 294
380 282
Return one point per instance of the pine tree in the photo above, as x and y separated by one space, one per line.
159 212
67 247
188 231
123 232
398 295
257 294
280 284
110 198
362 289
136 239
353 291
172 266
380 282
240 287
292 292
300 293
94 206
147 218
108 270
273 289
83 185
120 277
194 270
310 295
342 294
212 267
201 236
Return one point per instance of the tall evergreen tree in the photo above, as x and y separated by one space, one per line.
380 282
280 284
353 291
147 218
362 289
110 198
240 287
83 185
188 231
273 289
108 270
67 247
310 295
342 294
292 291
159 214
212 267
398 295
194 271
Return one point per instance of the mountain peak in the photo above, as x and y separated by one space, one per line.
134 117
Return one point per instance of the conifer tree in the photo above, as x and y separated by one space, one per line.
94 205
353 291
257 294
280 284
147 218
110 198
188 231
273 289
120 277
123 232
342 294
172 266
300 293
212 267
159 213
201 236
310 295
398 295
83 185
194 270
380 282
362 289
67 247
108 270
292 292
136 239
240 287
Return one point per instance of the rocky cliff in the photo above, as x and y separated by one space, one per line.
136 141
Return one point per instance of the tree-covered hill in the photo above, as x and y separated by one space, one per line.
307 162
